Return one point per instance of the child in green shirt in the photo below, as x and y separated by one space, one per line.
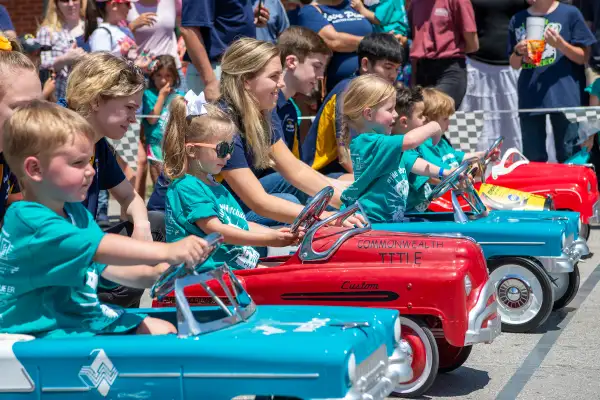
53 252
381 165
197 144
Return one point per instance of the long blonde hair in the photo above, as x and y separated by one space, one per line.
243 60
101 75
182 129
54 21
365 91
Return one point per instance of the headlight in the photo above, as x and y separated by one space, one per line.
397 331
468 285
351 369
564 240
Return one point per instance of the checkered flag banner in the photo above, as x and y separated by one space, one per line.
127 147
464 132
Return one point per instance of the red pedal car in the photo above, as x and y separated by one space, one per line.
570 187
440 285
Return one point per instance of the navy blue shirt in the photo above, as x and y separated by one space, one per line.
8 186
344 19
5 22
557 81
242 156
287 117
220 22
108 174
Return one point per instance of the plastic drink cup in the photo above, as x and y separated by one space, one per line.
535 38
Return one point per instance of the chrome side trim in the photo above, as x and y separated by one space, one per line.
562 264
227 375
65 389
479 313
150 375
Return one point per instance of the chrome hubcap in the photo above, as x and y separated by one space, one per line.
519 294
514 292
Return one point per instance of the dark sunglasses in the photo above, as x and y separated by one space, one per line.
223 149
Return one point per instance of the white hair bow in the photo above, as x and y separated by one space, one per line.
195 104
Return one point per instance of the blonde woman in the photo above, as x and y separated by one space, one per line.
19 84
61 30
107 90
250 83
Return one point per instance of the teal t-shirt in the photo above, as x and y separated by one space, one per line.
188 200
48 276
391 14
381 176
154 133
442 154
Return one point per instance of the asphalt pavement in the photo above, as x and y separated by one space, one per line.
561 360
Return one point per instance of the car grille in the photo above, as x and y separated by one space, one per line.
374 366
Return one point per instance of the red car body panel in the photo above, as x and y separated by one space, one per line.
418 275
572 187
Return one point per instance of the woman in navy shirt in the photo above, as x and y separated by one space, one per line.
342 28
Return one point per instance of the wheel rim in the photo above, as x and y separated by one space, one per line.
519 294
585 231
560 285
422 353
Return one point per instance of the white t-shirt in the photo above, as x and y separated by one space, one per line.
159 38
112 39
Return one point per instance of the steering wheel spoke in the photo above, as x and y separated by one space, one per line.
313 210
166 282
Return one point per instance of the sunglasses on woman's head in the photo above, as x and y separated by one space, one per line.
223 149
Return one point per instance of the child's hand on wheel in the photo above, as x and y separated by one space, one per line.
192 251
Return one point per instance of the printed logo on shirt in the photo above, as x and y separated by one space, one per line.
451 160
441 12
549 55
290 126
6 246
398 182
346 16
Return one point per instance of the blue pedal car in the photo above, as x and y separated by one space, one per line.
219 352
532 256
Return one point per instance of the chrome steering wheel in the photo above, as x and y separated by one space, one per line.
313 210
467 192
497 145
165 284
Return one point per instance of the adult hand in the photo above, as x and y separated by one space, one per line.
145 19
554 39
358 5
141 231
73 54
261 17
211 91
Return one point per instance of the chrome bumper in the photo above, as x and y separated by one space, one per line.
595 218
480 312
398 370
570 256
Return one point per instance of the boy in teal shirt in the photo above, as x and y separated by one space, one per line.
53 252
381 164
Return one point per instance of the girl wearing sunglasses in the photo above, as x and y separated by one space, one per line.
197 144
